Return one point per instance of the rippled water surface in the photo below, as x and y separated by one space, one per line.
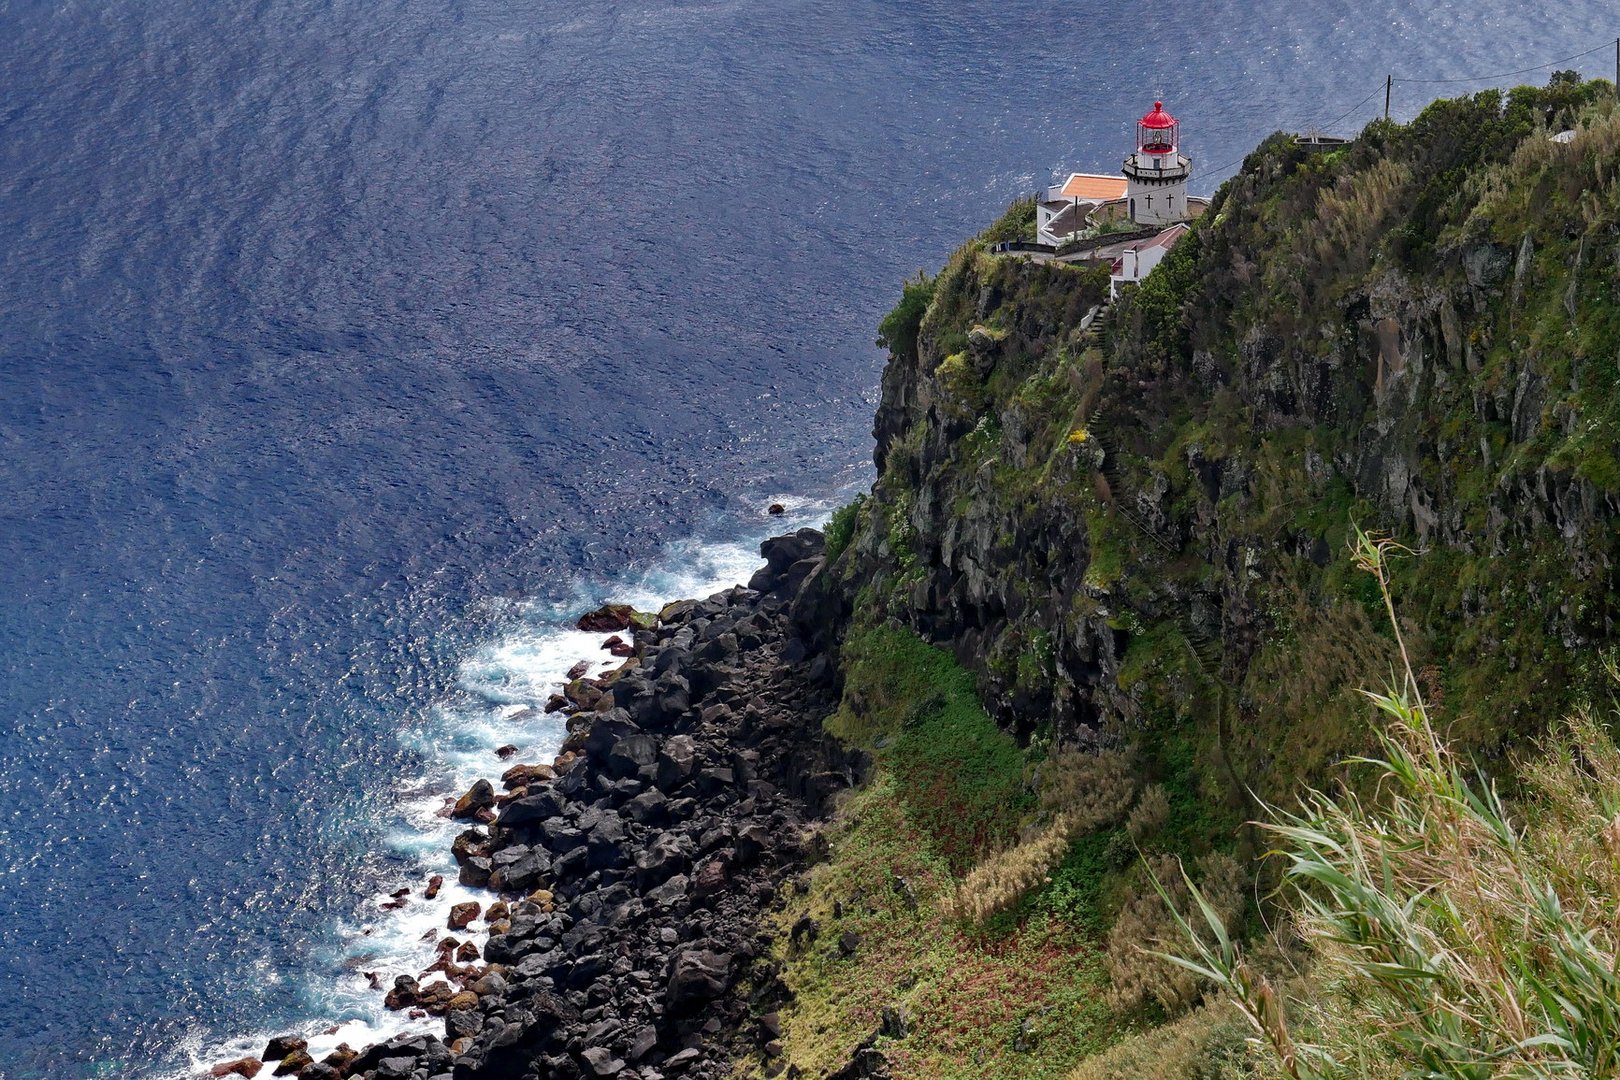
347 348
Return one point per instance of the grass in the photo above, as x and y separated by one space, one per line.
1452 937
1029 1003
1210 1043
841 526
960 778
1024 996
1235 397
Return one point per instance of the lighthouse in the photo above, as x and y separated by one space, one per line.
1156 175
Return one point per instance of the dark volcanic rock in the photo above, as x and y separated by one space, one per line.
606 619
635 870
697 976
523 775
631 753
676 762
481 796
292 1063
601 1062
282 1045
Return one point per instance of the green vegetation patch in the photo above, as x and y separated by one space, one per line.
960 778
1027 1004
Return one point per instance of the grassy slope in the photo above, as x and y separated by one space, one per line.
1024 1000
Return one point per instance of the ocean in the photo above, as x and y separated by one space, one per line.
349 350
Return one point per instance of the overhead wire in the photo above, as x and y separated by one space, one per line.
1217 171
1402 79
1519 71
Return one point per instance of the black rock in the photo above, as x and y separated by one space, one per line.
531 809
571 865
629 754
282 1045
607 729
668 854
522 872
560 836
475 872
649 807
600 1062
698 975
677 760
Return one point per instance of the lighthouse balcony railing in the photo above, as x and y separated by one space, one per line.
1141 163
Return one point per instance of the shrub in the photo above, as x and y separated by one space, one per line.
1089 787
1151 813
1083 792
1209 1043
1003 879
960 778
1147 924
1451 938
1018 223
898 330
841 526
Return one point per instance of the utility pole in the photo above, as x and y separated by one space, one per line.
1389 80
1617 67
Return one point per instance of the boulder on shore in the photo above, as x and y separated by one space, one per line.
282 1045
481 796
523 775
633 877
293 1063
607 619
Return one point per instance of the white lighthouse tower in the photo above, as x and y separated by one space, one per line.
1156 175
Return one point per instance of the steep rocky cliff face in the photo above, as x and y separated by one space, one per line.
1135 527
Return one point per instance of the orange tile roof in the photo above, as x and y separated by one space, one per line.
1094 187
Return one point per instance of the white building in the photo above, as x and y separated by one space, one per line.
1063 212
1149 192
1157 174
1135 262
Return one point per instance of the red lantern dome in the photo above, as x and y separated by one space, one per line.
1156 132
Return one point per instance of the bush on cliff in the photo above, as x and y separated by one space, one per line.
841 527
898 330
1080 793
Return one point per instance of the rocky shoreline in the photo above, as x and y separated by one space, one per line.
629 878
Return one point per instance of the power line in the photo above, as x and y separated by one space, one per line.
1338 119
1505 74
1401 79
1217 171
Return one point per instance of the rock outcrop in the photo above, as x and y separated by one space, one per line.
633 881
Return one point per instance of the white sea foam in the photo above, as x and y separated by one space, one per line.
502 690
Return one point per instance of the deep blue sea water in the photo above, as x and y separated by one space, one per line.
346 349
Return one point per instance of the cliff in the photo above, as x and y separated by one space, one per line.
1418 333
1130 525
